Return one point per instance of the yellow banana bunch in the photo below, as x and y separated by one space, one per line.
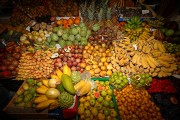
83 87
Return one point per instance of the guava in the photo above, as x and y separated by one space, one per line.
109 92
106 112
94 111
100 99
87 113
100 88
92 102
108 98
96 94
106 103
80 110
99 106
103 93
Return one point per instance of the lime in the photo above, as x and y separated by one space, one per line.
142 81
143 76
147 75
124 77
120 78
120 74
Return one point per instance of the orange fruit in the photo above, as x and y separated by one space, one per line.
103 68
88 67
59 22
103 59
65 21
91 72
77 21
71 21
109 73
94 66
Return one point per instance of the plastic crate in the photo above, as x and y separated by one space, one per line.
113 97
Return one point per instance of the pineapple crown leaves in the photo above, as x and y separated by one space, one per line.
100 15
108 14
90 15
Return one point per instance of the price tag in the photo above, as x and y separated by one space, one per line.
47 35
28 28
145 11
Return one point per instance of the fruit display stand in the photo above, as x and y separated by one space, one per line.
19 112
103 79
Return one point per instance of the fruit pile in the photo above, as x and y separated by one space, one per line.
161 86
97 58
72 56
10 57
171 48
69 36
136 104
26 94
35 65
140 81
98 104
36 37
118 80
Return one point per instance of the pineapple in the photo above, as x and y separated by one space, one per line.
108 18
100 17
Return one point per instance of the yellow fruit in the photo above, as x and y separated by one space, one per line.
88 68
59 73
66 70
40 98
79 85
42 89
103 59
45 82
44 104
91 72
109 73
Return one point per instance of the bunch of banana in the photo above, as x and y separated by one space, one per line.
121 56
133 23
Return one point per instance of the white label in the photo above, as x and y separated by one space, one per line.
28 28
47 35
55 55
145 11
135 46
58 46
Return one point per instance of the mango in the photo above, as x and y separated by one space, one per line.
66 70
67 83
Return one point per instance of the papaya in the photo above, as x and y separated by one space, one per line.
40 98
67 83
42 89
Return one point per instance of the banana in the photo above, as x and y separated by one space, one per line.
144 62
151 38
163 74
166 57
157 69
164 63
154 74
156 53
134 58
138 60
146 49
164 69
161 47
151 61
146 70
174 67
155 46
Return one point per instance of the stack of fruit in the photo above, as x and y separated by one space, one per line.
26 94
97 58
10 57
98 104
35 65
136 104
69 36
141 81
171 48
72 56
118 80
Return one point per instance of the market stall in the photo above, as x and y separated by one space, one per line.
99 59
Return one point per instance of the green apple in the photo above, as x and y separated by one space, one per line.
92 102
109 92
106 112
111 80
86 105
113 113
106 103
94 111
101 83
103 93
99 106
100 99
108 98
107 83
87 113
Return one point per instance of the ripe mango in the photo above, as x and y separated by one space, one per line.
67 83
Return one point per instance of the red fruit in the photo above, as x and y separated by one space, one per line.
100 88
96 94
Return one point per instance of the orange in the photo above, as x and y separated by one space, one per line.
71 21
103 68
65 21
77 21
88 67
59 22
103 59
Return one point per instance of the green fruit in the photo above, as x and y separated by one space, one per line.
106 103
103 93
86 105
55 29
107 83
99 106
106 112
101 83
100 99
74 31
92 102
68 84
66 100
108 98
27 97
60 32
60 88
32 89
71 38
87 113
109 92
94 111
81 110
118 81
65 36
111 105
54 37
113 113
